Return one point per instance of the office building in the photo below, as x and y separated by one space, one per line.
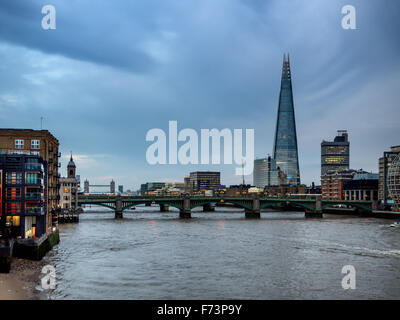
150 187
335 155
285 153
363 186
260 173
204 180
43 144
121 189
332 183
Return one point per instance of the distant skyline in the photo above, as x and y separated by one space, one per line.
112 70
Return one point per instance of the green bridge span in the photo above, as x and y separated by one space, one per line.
251 205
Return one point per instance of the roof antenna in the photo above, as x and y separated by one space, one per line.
41 123
243 171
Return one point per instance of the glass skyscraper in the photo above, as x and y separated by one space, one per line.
285 151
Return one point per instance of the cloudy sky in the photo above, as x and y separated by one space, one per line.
112 70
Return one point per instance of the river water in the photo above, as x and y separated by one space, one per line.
222 255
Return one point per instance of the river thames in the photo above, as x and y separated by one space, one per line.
222 255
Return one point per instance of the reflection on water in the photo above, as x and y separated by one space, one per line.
221 255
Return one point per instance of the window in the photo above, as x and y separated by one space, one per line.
35 144
19 144
14 178
33 178
13 193
13 208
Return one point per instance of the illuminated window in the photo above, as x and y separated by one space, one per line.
14 178
13 208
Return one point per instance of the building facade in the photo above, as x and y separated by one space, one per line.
332 183
385 163
204 180
363 186
335 155
69 188
149 187
23 195
285 153
260 172
43 144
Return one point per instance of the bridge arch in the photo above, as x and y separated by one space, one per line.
294 203
155 201
357 205
110 206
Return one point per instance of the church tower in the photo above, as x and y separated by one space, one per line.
71 168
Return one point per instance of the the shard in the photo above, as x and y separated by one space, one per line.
285 151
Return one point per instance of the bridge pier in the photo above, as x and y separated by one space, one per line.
209 207
185 212
317 213
255 212
118 208
164 207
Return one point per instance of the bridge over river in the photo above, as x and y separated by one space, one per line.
252 205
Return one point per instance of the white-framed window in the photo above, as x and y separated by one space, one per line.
35 144
19 144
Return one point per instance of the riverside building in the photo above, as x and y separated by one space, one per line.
23 194
385 163
69 188
43 144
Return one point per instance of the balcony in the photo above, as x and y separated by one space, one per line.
59 155
34 210
59 165
33 166
36 182
33 196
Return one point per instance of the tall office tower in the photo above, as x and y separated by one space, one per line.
335 155
285 144
260 172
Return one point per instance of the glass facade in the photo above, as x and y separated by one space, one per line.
285 144
335 155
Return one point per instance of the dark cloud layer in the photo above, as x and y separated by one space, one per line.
114 69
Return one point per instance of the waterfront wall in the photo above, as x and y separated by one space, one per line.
36 250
